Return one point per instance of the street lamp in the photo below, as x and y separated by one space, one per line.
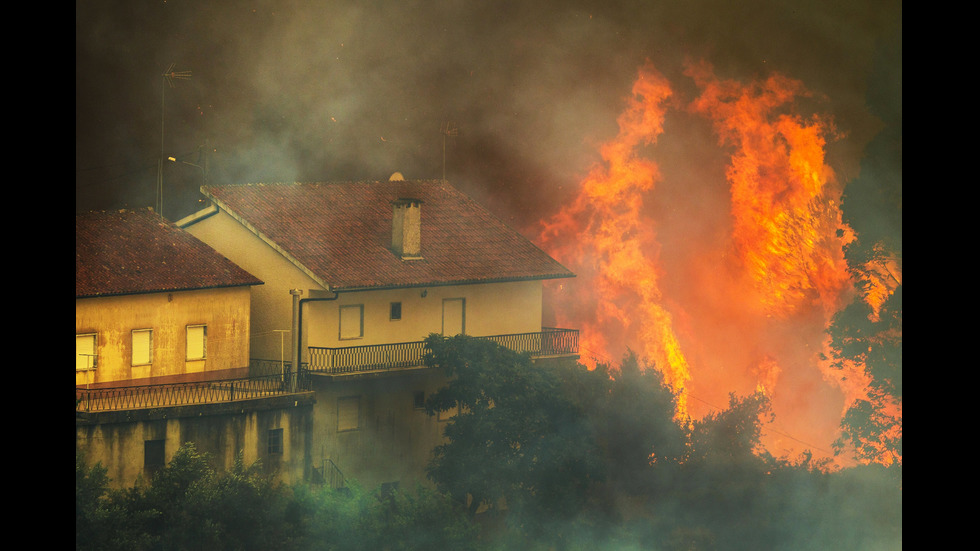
168 78
204 171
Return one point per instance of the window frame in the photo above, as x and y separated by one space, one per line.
204 342
149 347
341 400
395 311
92 361
341 325
161 454
275 443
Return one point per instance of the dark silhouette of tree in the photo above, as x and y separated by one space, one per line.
516 437
872 207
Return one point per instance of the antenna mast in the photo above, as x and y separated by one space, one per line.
448 130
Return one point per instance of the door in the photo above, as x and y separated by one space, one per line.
453 316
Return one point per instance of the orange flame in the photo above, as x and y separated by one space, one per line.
614 244
751 313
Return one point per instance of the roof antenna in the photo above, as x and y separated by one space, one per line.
448 130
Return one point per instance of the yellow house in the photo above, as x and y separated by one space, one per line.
356 275
162 326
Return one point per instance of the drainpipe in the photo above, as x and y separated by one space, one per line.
294 376
298 305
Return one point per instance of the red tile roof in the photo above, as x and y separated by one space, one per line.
137 251
341 233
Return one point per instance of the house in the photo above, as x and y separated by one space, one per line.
357 274
162 328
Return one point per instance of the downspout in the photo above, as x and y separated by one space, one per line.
298 304
294 376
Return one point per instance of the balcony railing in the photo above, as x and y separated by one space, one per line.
359 359
180 394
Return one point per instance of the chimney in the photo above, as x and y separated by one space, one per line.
406 229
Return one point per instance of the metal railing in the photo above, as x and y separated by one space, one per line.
329 473
357 359
187 393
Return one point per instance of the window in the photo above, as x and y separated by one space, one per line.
352 321
142 346
85 348
197 342
449 413
348 413
453 316
418 399
396 311
154 457
275 442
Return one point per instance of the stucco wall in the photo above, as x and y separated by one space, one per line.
225 312
490 309
271 302
116 439
394 439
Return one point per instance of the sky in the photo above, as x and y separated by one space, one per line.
310 90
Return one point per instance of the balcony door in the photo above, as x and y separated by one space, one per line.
453 316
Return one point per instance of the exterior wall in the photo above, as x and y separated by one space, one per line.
393 441
272 304
225 312
490 309
116 439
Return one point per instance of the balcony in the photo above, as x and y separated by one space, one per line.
549 343
188 393
270 379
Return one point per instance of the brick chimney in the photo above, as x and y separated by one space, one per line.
406 229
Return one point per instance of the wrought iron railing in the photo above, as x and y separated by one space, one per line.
187 393
357 359
329 473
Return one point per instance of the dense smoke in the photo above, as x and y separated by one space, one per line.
284 91
301 91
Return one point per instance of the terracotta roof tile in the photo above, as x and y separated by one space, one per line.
137 251
341 232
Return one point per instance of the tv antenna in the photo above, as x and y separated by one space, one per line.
448 130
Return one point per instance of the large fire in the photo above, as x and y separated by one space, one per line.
738 313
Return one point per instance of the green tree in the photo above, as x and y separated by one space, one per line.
516 436
642 441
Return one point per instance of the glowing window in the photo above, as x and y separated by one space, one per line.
142 346
85 351
197 342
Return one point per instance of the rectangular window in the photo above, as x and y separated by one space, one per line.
352 321
142 346
197 342
453 316
275 442
448 414
396 311
85 349
348 413
418 399
154 457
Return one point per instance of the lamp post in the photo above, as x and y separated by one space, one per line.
204 171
